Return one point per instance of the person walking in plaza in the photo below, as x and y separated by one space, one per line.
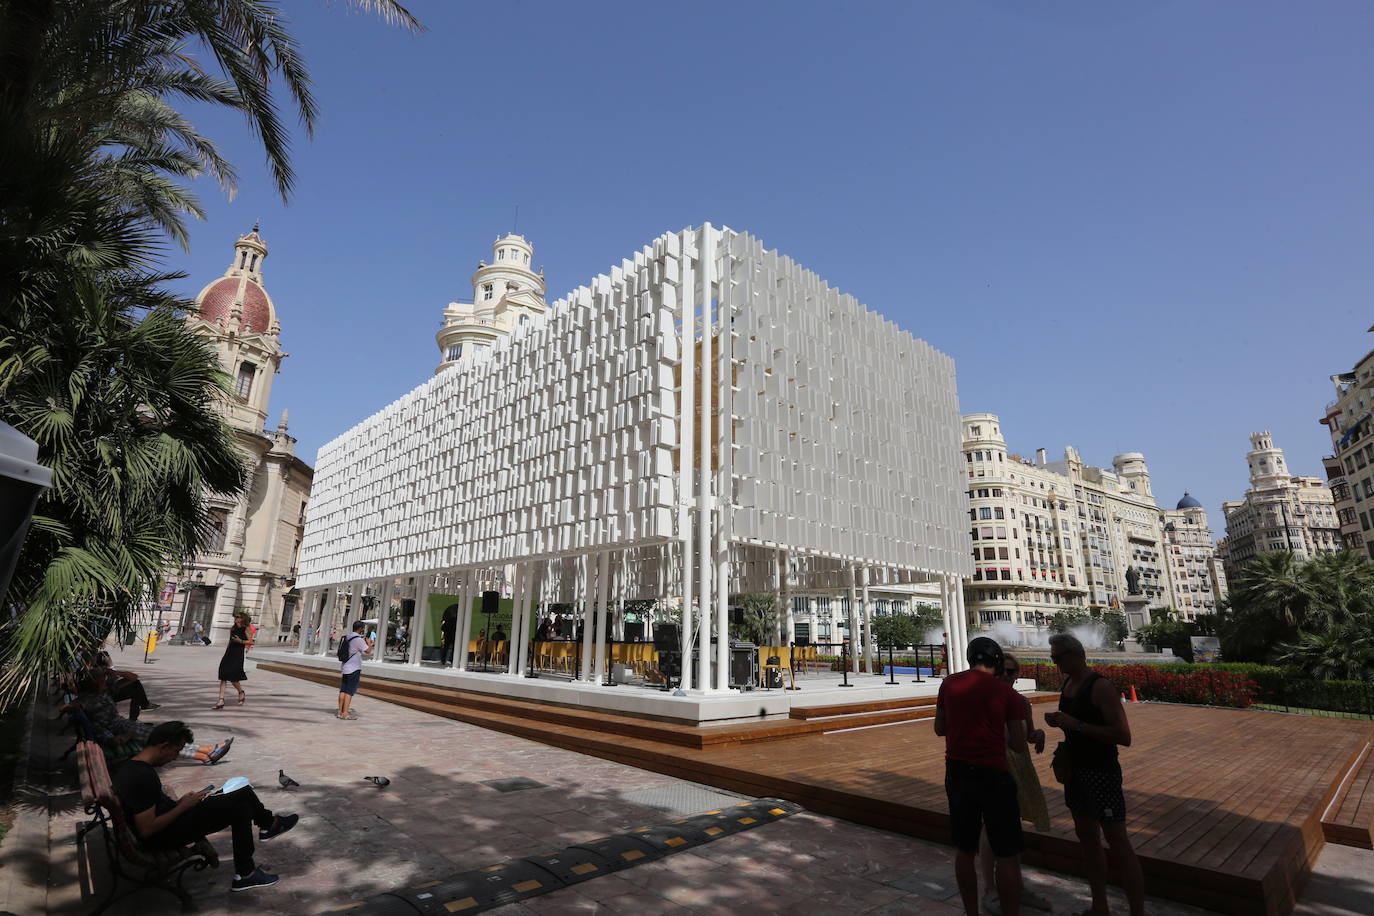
1094 723
165 824
448 632
980 717
1030 798
231 665
198 633
351 652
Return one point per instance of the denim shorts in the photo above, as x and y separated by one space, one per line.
348 683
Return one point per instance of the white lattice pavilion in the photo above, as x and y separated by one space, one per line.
706 419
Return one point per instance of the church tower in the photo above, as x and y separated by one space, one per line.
505 294
237 313
249 562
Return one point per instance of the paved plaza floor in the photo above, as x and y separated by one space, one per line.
440 816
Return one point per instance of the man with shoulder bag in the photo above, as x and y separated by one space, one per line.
351 651
1094 724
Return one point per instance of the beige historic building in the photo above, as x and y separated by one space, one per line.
1054 536
1350 466
506 294
251 562
1280 511
1194 573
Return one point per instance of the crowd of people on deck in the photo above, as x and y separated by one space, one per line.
992 785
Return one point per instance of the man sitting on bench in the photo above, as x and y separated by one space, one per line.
160 822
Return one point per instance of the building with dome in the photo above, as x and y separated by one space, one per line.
250 563
1195 573
505 294
1280 511
1055 536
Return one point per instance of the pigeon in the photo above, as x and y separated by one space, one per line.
379 781
285 781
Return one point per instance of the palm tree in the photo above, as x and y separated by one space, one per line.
95 362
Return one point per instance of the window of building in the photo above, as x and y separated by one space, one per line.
219 528
453 352
486 291
243 385
985 513
999 513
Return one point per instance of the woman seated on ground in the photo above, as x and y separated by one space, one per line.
123 737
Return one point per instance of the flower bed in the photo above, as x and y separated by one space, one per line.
1203 687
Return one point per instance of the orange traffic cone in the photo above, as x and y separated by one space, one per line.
1134 698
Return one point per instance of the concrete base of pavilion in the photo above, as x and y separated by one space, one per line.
699 709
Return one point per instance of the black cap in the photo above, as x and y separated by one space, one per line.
985 651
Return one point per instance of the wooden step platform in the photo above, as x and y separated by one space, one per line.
515 716
1225 807
1348 819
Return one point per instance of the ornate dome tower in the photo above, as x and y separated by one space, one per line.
238 314
1268 469
505 294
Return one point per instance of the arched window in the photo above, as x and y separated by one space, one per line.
527 259
253 263
243 259
501 254
243 385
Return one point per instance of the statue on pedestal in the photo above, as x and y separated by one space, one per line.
1132 580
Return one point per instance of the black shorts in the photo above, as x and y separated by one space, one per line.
348 683
978 797
1096 795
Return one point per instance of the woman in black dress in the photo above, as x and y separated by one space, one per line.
231 666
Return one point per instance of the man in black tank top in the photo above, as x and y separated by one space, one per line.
1094 724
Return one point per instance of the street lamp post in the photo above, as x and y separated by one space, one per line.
186 585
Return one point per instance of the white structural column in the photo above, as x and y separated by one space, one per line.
331 598
686 457
587 568
421 619
307 597
961 625
603 595
517 625
947 611
462 579
869 643
722 440
706 567
852 619
789 618
384 592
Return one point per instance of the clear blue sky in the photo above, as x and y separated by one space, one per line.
1135 226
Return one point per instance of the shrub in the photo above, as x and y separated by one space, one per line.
1203 687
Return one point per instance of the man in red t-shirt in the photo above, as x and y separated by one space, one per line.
974 713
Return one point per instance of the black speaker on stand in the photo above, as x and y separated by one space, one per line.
491 604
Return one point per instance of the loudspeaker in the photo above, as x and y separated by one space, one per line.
491 602
744 666
667 637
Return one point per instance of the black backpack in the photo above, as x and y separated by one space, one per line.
344 647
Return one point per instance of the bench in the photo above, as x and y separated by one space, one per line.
128 857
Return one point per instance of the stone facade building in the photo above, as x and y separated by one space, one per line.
1280 511
251 561
1350 466
1064 535
1191 560
506 294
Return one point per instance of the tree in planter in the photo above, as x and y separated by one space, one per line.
898 630
1115 624
758 619
1064 621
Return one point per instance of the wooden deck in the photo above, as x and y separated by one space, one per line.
1226 807
1349 818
